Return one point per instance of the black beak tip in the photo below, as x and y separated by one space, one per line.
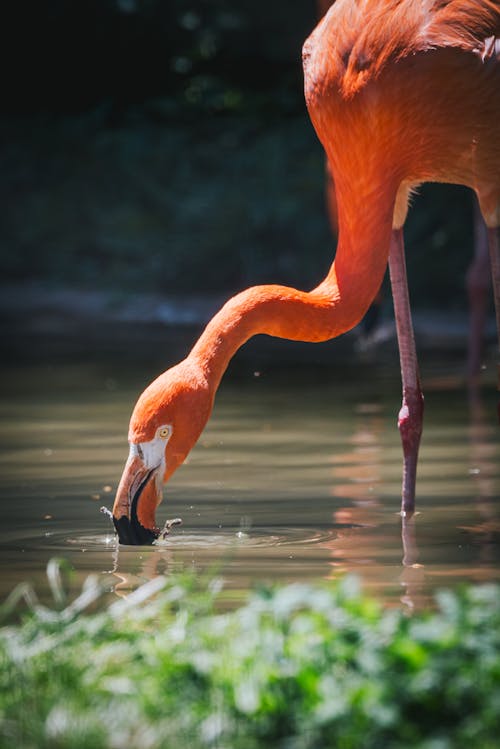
132 533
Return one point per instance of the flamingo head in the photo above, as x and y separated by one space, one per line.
166 422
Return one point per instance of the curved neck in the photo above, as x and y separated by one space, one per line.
332 308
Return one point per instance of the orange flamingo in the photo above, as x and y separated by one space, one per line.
399 93
478 278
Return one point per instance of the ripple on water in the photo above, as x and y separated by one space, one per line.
95 542
200 538
207 538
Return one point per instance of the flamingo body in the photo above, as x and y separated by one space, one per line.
407 101
399 93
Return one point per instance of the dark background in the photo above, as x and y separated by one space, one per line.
163 146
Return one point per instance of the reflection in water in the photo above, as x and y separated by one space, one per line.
483 470
295 481
364 464
356 476
413 574
156 563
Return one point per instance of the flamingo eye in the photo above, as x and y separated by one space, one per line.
165 432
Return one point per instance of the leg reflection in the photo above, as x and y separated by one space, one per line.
368 539
413 576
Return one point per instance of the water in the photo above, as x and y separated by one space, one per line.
295 478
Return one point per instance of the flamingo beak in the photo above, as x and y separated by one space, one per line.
138 495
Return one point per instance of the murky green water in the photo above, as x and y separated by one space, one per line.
293 479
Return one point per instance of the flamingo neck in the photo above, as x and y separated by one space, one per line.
332 308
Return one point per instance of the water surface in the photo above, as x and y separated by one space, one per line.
296 477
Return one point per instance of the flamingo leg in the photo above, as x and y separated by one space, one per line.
494 248
410 416
477 281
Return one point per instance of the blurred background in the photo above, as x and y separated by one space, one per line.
156 157
155 149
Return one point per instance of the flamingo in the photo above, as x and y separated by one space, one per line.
478 275
399 93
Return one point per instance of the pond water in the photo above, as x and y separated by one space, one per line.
296 478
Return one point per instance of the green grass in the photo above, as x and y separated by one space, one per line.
296 666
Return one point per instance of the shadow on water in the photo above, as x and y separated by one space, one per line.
295 477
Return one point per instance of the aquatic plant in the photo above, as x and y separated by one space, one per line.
295 666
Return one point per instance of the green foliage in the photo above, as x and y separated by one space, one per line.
153 208
180 159
203 55
297 666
